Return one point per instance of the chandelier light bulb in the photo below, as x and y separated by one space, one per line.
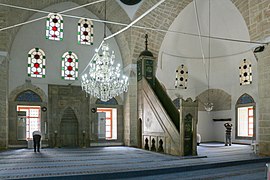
208 106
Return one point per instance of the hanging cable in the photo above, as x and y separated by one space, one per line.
130 25
119 24
200 38
37 19
209 51
105 17
136 20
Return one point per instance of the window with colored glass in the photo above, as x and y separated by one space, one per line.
85 32
69 66
54 27
36 63
245 72
181 78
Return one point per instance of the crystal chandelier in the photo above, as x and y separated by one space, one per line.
104 79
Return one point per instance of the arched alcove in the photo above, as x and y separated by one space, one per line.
111 101
28 92
28 96
220 99
69 128
26 101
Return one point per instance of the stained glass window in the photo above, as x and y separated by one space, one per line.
69 66
245 72
181 78
245 99
28 96
85 32
111 101
176 102
36 63
54 27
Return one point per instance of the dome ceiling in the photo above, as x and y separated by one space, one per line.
130 2
182 45
225 22
130 6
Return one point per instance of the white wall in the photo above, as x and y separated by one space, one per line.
218 126
205 126
226 57
33 35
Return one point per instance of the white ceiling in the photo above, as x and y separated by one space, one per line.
178 48
226 22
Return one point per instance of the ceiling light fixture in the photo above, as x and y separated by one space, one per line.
104 80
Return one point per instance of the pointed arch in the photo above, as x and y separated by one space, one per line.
69 128
245 99
69 114
28 87
176 102
220 99
28 96
111 101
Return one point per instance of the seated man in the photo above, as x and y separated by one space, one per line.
36 139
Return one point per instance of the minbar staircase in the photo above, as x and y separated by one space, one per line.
161 126
166 102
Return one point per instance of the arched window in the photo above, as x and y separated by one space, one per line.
176 102
111 101
36 63
85 32
28 96
54 27
245 72
69 66
181 77
245 117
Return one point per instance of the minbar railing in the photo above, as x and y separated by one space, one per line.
166 102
